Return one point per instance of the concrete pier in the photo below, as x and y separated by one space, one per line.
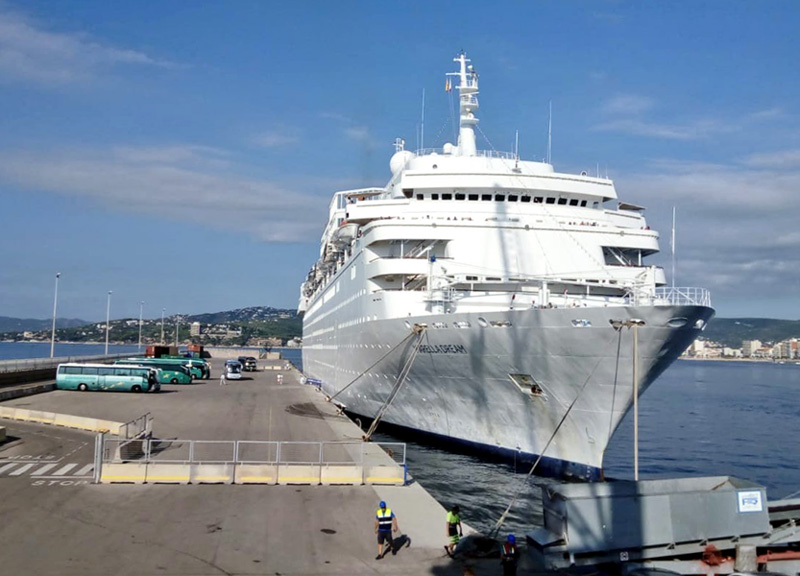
203 529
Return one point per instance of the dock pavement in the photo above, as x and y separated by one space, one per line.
75 527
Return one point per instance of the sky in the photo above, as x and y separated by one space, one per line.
183 154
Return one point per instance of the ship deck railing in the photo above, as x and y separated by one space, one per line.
684 296
479 153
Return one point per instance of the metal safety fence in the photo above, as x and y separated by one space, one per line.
153 460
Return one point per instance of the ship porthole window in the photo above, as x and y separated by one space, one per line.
677 322
700 324
435 166
482 322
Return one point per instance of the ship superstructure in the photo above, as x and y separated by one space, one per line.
501 293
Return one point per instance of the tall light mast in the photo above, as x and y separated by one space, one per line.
468 106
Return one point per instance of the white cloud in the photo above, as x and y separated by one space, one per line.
190 183
628 104
626 114
768 114
360 133
29 52
736 225
781 159
276 138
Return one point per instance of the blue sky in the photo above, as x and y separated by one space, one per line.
184 153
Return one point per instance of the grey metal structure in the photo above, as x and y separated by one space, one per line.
625 521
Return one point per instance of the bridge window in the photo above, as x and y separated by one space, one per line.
537 200
434 196
583 203
499 197
420 197
447 196
460 196
562 201
486 197
573 202
525 199
512 198
550 201
408 192
473 197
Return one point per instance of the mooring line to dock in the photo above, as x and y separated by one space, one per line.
496 529
419 331
354 380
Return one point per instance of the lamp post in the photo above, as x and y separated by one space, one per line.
108 318
55 304
162 325
141 307
177 328
619 325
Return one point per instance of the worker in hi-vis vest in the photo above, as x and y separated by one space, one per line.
509 556
385 522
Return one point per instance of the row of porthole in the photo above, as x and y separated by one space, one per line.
577 323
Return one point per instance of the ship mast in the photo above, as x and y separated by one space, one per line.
468 92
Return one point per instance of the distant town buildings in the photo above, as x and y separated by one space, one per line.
751 349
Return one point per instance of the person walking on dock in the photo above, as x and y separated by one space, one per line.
385 521
509 556
222 380
454 531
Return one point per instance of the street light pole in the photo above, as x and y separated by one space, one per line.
177 328
619 325
108 318
141 306
162 325
635 402
55 304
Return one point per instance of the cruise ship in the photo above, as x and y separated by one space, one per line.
494 302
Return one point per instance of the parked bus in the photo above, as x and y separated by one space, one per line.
197 368
75 376
202 363
170 372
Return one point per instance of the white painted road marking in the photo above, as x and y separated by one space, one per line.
37 470
21 471
64 469
85 470
44 469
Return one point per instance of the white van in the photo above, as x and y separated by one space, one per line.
233 370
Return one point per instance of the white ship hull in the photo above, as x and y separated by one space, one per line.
460 385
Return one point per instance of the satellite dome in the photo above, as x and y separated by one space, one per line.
399 160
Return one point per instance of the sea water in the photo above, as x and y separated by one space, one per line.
700 418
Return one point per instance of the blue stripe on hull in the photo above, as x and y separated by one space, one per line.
548 467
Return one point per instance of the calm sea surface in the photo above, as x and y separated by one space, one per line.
16 350
699 419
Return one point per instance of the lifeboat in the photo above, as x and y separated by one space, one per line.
345 234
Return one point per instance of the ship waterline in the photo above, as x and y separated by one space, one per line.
483 299
505 388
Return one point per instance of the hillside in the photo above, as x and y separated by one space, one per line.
23 324
731 331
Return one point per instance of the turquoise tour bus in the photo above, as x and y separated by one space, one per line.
201 363
76 376
196 368
169 373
